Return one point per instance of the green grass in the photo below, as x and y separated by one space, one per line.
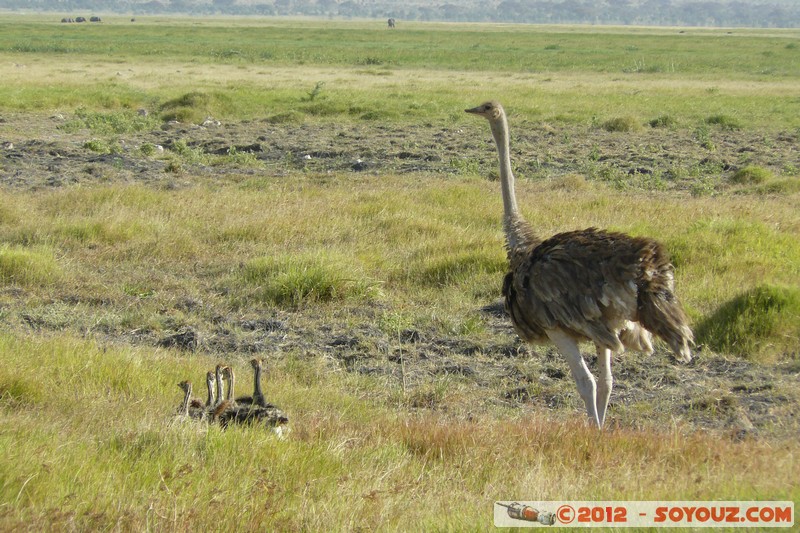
724 122
761 323
90 441
750 175
27 266
300 279
400 241
622 124
187 69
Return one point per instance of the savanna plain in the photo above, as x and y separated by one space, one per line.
178 193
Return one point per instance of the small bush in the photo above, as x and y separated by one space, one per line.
195 107
99 146
622 124
110 123
763 322
291 280
148 149
26 266
703 137
724 121
663 121
751 175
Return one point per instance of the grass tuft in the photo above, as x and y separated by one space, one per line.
724 121
194 107
295 280
115 122
622 124
785 186
751 175
663 121
27 266
762 323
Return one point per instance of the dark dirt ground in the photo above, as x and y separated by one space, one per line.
38 152
717 393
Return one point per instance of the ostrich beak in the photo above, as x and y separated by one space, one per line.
474 110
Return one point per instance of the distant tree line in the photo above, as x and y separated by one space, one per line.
730 13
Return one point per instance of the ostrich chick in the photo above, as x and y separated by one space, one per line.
587 285
191 407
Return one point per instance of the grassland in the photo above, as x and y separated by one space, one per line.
365 282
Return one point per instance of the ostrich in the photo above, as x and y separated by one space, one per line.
258 395
250 410
608 288
191 407
392 23
210 381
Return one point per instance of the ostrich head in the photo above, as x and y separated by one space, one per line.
185 385
255 362
490 110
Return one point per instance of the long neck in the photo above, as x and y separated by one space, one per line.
257 382
518 232
210 386
229 394
218 378
500 134
185 406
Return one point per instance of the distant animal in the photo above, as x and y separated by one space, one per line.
391 22
251 410
210 398
80 19
94 19
191 407
605 287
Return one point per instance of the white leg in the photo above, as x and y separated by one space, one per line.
605 383
587 386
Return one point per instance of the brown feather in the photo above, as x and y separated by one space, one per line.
590 283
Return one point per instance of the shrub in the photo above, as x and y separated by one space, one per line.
724 121
762 322
663 121
751 175
622 124
195 107
115 122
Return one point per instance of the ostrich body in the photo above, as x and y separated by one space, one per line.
587 285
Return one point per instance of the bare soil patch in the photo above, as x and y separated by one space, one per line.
37 153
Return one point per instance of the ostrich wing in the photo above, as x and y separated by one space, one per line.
584 282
